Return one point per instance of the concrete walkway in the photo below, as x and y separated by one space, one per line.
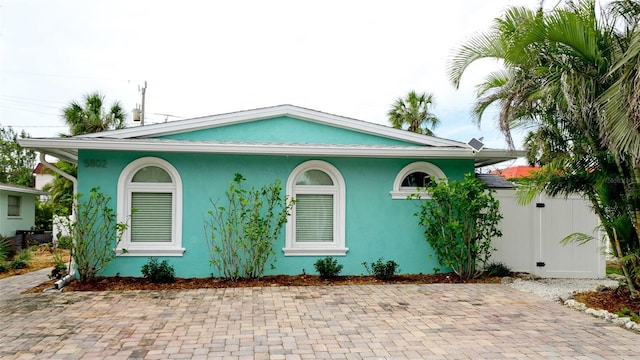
463 321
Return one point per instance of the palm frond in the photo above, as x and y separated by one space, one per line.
475 48
577 238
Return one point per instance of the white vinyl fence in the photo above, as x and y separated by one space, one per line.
532 234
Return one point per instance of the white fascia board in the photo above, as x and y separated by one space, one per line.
53 145
21 189
270 112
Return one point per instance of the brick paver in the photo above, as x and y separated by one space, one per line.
462 321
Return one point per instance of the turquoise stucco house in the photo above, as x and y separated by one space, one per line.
358 173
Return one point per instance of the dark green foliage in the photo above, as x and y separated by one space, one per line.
6 248
328 267
59 270
25 254
61 189
18 264
413 112
90 116
635 317
570 78
3 268
382 270
241 233
498 269
159 273
16 163
22 259
65 242
95 234
44 215
460 220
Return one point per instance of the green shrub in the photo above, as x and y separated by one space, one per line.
242 230
498 269
460 220
21 260
6 248
44 215
59 270
19 264
382 270
65 242
95 233
3 268
159 273
25 255
635 317
328 267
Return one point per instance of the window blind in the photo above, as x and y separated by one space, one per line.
13 206
314 218
152 219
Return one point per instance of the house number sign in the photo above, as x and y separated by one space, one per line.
95 163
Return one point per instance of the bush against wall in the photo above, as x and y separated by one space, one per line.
459 220
95 233
241 232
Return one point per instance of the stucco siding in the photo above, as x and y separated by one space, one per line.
286 130
376 225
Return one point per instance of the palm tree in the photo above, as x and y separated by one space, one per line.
61 189
90 117
86 118
557 71
414 112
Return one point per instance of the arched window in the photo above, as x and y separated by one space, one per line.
316 226
150 202
413 177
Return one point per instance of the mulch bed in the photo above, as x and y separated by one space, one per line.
610 300
607 299
133 283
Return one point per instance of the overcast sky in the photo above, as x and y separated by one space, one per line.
349 58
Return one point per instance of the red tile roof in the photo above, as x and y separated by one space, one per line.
515 172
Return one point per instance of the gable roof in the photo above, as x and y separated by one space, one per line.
213 121
42 170
143 138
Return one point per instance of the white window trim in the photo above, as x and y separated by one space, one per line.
402 192
335 248
126 187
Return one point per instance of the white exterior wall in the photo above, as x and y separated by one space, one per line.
42 180
532 235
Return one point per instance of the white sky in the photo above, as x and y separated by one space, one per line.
349 58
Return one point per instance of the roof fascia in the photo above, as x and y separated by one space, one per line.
58 146
20 189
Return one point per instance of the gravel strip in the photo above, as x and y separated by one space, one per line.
558 289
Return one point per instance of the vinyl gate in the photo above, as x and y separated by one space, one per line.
532 233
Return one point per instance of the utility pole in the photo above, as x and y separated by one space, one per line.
143 90
138 112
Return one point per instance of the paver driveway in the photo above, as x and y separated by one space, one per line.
470 321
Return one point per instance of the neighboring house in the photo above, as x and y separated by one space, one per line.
43 176
356 173
17 208
515 172
532 233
